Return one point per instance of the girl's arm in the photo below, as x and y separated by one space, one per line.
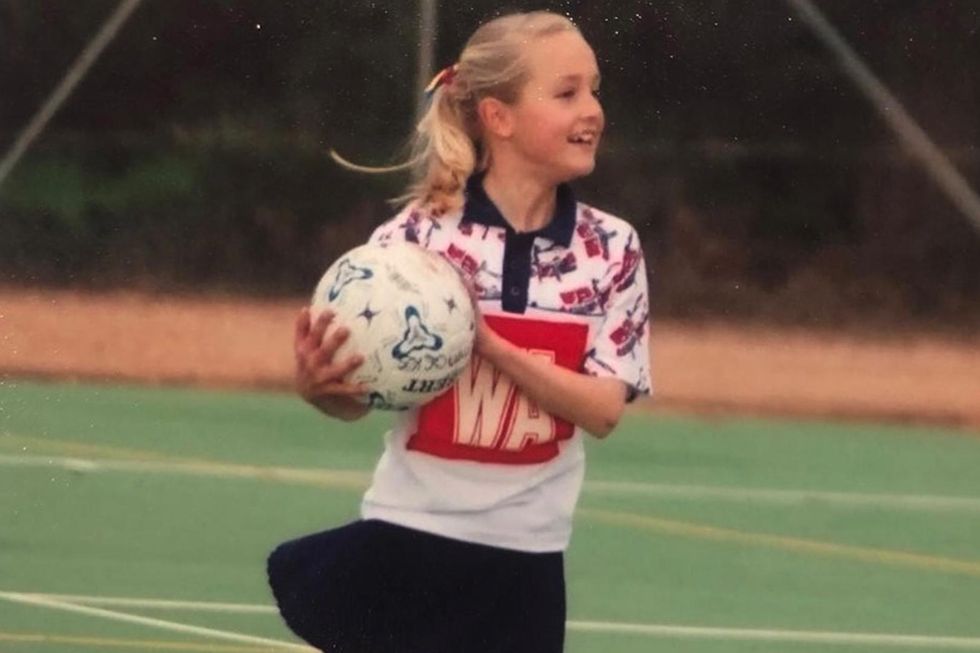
319 378
594 403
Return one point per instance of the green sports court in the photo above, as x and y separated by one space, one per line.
138 519
806 169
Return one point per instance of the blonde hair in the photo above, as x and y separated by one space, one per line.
448 146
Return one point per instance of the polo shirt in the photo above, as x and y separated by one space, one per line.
481 462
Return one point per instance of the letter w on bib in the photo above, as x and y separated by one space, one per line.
485 417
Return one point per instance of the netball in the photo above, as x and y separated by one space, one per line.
410 317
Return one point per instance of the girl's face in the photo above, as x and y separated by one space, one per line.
557 120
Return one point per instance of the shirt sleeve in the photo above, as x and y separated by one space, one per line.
621 346
409 225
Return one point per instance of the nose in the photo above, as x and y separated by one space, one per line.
592 108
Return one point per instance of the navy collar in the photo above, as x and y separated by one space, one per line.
479 208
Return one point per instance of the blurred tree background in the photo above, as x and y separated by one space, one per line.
192 157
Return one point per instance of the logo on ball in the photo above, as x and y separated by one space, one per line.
417 336
347 273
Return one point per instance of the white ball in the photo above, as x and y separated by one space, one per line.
409 315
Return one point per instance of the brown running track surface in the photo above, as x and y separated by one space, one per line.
714 368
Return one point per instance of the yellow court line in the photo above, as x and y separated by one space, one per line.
144 644
342 479
795 544
152 461
352 480
51 445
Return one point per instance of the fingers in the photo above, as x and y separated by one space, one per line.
302 324
474 292
329 345
308 333
335 372
331 382
350 365
320 326
317 372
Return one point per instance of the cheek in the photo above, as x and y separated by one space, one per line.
549 130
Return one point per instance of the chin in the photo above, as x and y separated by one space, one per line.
581 170
565 170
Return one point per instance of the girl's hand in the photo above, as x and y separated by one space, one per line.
486 342
319 377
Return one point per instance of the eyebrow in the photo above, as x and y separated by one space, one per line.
575 77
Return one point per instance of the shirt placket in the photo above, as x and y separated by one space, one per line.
516 271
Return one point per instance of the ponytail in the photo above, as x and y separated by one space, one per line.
445 150
448 147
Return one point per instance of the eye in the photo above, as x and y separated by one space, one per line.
567 95
596 93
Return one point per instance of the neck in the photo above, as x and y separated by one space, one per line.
527 204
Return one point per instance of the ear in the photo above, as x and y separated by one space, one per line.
496 117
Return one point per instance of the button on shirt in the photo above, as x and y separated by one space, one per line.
482 463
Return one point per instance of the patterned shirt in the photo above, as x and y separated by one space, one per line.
481 462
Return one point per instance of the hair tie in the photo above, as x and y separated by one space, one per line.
444 77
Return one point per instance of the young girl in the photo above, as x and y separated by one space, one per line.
459 549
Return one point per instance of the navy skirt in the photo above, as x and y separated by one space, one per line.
375 587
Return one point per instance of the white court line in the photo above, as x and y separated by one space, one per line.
157 604
668 631
786 636
358 480
46 602
352 479
924 502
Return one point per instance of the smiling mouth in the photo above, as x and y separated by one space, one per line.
589 138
